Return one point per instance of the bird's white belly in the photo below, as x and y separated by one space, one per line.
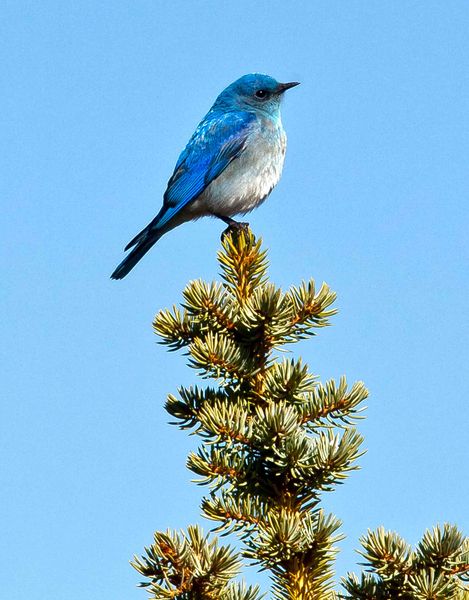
247 181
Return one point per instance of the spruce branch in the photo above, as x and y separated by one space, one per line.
289 380
191 400
174 328
208 305
217 356
442 547
309 309
236 511
437 569
243 263
334 404
299 550
187 566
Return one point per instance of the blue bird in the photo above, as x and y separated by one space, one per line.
230 165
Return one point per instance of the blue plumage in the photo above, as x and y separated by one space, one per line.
231 163
218 140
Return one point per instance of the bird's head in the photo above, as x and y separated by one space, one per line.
254 92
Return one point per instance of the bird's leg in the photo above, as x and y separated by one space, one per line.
232 225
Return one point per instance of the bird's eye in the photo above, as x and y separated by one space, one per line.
261 94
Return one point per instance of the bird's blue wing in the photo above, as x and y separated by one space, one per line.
217 141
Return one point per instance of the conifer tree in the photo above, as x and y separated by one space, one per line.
273 440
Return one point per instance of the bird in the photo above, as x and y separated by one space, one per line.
230 165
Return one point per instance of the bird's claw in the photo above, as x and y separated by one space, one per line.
234 228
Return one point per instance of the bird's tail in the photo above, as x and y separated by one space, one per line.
142 246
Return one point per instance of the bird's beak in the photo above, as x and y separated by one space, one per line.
283 87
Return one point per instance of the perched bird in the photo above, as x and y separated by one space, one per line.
229 166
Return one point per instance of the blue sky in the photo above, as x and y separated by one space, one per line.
99 99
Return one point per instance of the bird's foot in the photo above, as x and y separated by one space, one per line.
235 227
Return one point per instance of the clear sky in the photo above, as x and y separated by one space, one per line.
98 100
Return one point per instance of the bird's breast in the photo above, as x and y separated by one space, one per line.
250 178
